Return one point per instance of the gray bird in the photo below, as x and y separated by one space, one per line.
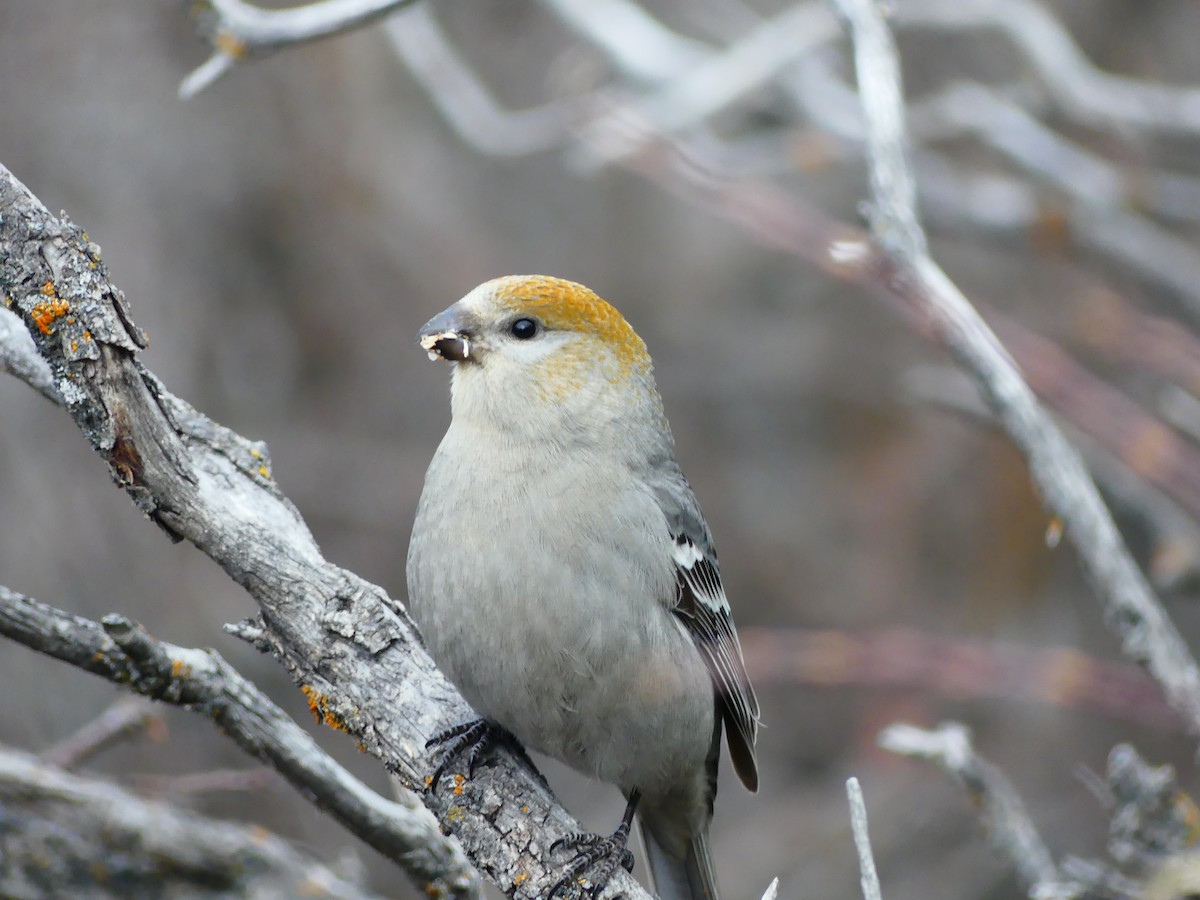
563 575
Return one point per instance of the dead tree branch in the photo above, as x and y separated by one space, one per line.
201 680
1003 815
67 835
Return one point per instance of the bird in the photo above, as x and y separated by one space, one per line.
564 578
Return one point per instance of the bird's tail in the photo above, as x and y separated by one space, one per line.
689 878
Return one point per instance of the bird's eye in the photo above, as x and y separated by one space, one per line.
523 329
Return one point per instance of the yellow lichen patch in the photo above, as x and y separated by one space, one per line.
46 313
48 289
318 705
1191 815
567 306
520 879
454 814
264 471
230 45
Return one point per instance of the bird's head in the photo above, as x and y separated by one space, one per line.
543 356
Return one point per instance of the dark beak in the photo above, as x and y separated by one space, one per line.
450 335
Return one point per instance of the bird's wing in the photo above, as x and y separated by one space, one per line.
701 605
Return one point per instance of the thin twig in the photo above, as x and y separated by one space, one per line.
122 720
240 30
1001 811
869 878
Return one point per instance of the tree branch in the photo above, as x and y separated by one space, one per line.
1003 815
862 842
238 30
122 652
351 646
66 835
905 268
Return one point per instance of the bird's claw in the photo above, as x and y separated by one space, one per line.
597 855
473 737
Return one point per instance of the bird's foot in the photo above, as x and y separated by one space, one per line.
475 738
596 855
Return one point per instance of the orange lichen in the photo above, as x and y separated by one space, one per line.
48 289
230 44
520 879
179 668
46 313
459 781
318 705
1191 815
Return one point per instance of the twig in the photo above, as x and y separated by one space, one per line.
119 722
123 653
19 357
1001 811
215 781
710 86
66 835
240 30
462 98
908 659
907 271
869 878
1085 93
350 645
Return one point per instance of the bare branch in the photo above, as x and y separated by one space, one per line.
200 679
941 665
711 85
639 45
862 841
65 835
121 721
1082 91
1132 610
1001 811
463 99
18 356
240 30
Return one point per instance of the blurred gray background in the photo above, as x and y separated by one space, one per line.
282 236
